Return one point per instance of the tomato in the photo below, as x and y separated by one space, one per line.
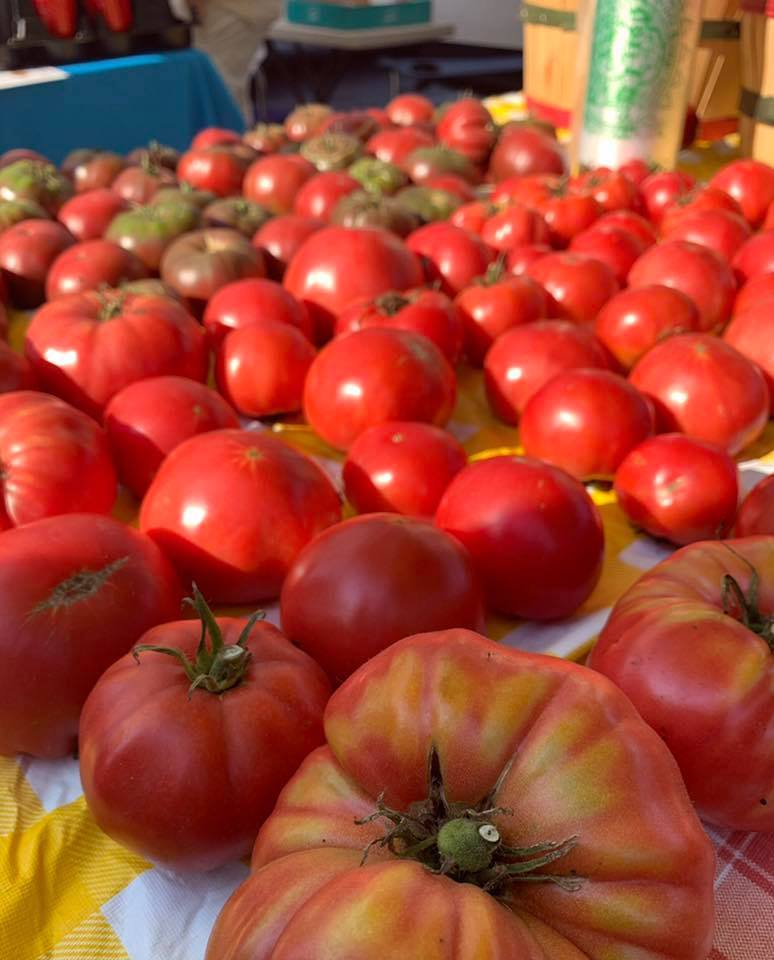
679 488
401 467
238 711
759 288
199 264
719 230
395 146
755 257
494 304
515 226
90 265
373 376
266 137
635 320
360 124
519 259
237 213
438 727
689 644
616 247
696 271
92 169
533 190
533 531
319 195
155 155
214 137
27 251
705 388
15 370
427 162
76 592
577 286
567 214
524 358
698 200
452 256
522 151
232 509
35 180
139 184
408 109
751 332
453 184
395 214
635 170
275 180
261 368
473 216
306 120
282 237
149 418
148 231
321 274
216 169
660 190
751 184
631 222
87 347
428 312
611 189
768 223
55 460
88 215
253 301
756 513
376 176
466 125
370 581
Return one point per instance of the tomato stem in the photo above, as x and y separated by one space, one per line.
745 608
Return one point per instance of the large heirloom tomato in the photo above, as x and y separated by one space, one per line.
213 733
76 592
374 375
370 581
86 348
533 532
513 807
233 508
55 460
691 644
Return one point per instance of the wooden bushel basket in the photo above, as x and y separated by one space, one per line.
757 101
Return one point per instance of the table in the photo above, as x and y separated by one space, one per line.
119 104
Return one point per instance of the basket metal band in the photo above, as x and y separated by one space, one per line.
759 108
547 17
721 30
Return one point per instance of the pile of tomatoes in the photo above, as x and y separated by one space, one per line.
414 784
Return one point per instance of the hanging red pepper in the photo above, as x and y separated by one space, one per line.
118 14
59 17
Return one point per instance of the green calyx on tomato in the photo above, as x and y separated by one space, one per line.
217 667
391 303
495 273
745 608
461 842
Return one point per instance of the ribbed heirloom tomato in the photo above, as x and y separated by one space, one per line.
512 807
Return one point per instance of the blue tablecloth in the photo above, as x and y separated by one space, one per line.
119 104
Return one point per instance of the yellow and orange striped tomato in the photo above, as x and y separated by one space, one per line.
524 751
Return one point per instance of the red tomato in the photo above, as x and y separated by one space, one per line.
751 332
689 645
76 592
370 581
522 151
526 357
456 716
611 189
586 422
428 312
253 302
679 488
495 304
635 170
27 251
768 223
15 370
519 259
232 509
616 247
408 109
230 744
322 274
401 467
515 226
533 531
631 222
138 184
749 182
282 237
86 348
275 180
756 513
373 376
306 120
568 214
55 460
214 169
660 190
634 321
698 200
696 271
577 286
214 137
90 265
87 215
719 230
452 256
532 191
148 419
760 288
261 369
705 388
755 257
466 125
453 184
318 197
473 216
395 146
